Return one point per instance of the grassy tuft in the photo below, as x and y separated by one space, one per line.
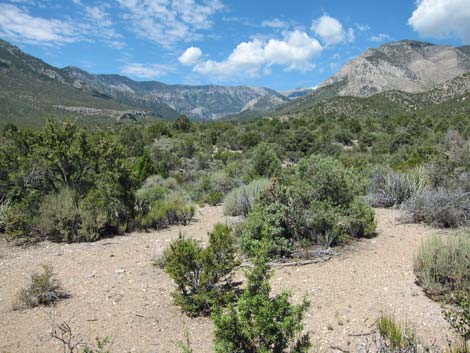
442 265
44 289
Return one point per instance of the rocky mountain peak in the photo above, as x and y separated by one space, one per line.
409 66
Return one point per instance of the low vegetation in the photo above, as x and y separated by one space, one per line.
317 203
44 289
459 320
442 265
259 322
298 185
398 336
440 208
203 276
240 201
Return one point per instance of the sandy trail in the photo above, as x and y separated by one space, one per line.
117 292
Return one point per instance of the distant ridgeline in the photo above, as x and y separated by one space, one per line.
399 77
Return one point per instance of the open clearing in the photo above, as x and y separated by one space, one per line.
116 291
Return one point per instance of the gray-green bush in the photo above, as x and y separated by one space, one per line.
44 289
60 217
240 201
394 188
5 205
440 208
442 265
175 208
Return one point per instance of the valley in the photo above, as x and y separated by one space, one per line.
220 176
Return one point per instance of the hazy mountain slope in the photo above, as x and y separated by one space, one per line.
296 93
200 102
32 89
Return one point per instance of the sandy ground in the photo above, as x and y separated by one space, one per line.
117 292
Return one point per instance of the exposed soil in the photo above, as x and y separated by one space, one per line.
117 292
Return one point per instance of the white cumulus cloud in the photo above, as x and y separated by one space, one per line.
331 31
191 56
442 18
295 52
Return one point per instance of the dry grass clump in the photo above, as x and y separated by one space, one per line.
44 289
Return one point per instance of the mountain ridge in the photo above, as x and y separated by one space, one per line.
21 72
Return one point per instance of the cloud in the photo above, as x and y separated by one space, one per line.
331 31
97 24
295 52
169 21
98 14
191 56
381 37
362 27
146 71
442 18
275 23
17 24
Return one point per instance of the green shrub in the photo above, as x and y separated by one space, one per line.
202 275
439 208
266 225
18 222
60 218
319 203
214 198
442 265
175 208
324 222
146 197
222 182
265 162
182 123
165 183
151 194
328 180
360 219
44 289
259 322
451 166
240 201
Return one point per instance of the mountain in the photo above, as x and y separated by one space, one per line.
446 99
405 67
200 102
297 92
30 88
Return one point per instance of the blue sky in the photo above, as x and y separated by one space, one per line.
277 44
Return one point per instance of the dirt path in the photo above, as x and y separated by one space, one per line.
116 291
